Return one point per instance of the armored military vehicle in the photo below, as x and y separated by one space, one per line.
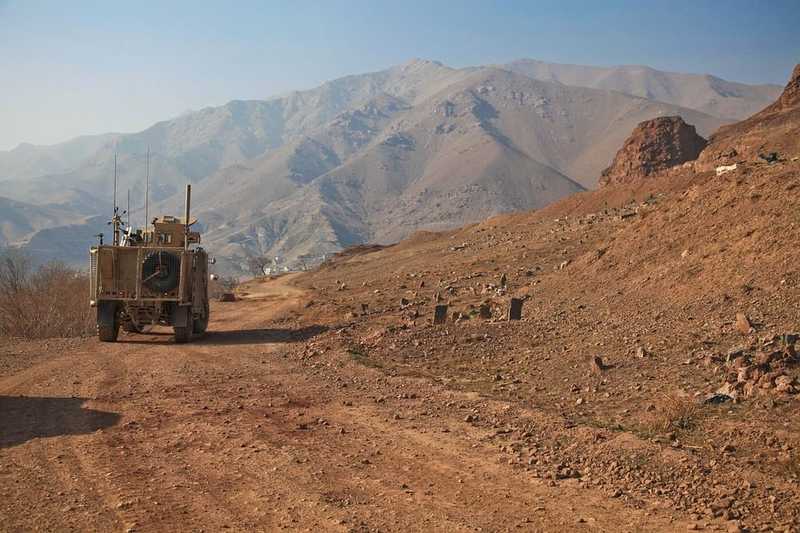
151 276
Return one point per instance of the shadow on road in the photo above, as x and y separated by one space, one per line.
239 336
260 336
25 418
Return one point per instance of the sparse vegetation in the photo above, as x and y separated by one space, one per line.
257 265
223 284
49 301
676 413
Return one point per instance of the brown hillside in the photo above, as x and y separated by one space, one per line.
775 129
656 356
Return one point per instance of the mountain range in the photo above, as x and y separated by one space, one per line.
365 158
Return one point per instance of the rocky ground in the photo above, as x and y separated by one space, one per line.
655 358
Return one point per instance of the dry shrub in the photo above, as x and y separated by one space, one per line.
51 301
676 413
217 287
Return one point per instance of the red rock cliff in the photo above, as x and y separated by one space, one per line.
654 145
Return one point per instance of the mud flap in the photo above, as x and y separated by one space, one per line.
201 324
182 323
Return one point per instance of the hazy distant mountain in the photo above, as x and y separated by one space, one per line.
709 94
20 221
193 146
366 157
28 160
490 142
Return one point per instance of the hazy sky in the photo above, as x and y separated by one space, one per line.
79 67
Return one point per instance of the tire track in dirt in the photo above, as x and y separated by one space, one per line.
234 432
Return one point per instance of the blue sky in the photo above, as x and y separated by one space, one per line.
81 67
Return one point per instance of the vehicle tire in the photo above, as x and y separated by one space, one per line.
200 325
162 270
107 321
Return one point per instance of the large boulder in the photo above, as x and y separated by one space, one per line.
654 145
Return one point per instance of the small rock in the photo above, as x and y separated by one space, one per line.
596 364
784 383
743 324
733 527
726 393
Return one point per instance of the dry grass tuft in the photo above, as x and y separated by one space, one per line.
676 413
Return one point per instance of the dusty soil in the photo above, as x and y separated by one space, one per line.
244 430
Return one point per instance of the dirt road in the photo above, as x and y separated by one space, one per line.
247 430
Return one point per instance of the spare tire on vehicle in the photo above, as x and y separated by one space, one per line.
161 271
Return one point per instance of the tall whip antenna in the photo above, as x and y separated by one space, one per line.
115 219
128 211
115 182
147 193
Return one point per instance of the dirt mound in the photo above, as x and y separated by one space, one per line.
770 135
654 145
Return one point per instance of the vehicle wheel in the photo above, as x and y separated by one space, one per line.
107 321
200 325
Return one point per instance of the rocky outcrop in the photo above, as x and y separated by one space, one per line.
773 132
654 145
791 94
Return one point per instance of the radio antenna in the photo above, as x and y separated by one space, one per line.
128 211
115 182
147 193
115 219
